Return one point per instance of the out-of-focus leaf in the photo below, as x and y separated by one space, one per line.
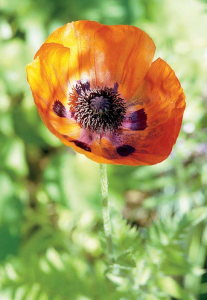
172 288
15 158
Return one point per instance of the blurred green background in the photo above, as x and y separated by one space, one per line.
51 240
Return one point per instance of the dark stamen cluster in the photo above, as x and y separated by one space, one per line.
100 109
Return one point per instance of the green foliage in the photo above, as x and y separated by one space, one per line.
51 241
53 263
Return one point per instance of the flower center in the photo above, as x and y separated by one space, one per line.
100 109
100 104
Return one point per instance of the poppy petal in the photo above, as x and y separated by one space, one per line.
79 37
50 88
45 78
106 54
123 56
162 98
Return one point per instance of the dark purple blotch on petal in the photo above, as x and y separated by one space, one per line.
125 150
82 87
138 120
116 85
59 109
82 145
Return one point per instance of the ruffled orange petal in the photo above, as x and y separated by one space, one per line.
162 99
48 75
48 79
106 54
123 56
79 37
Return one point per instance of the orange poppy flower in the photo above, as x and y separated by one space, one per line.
97 89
